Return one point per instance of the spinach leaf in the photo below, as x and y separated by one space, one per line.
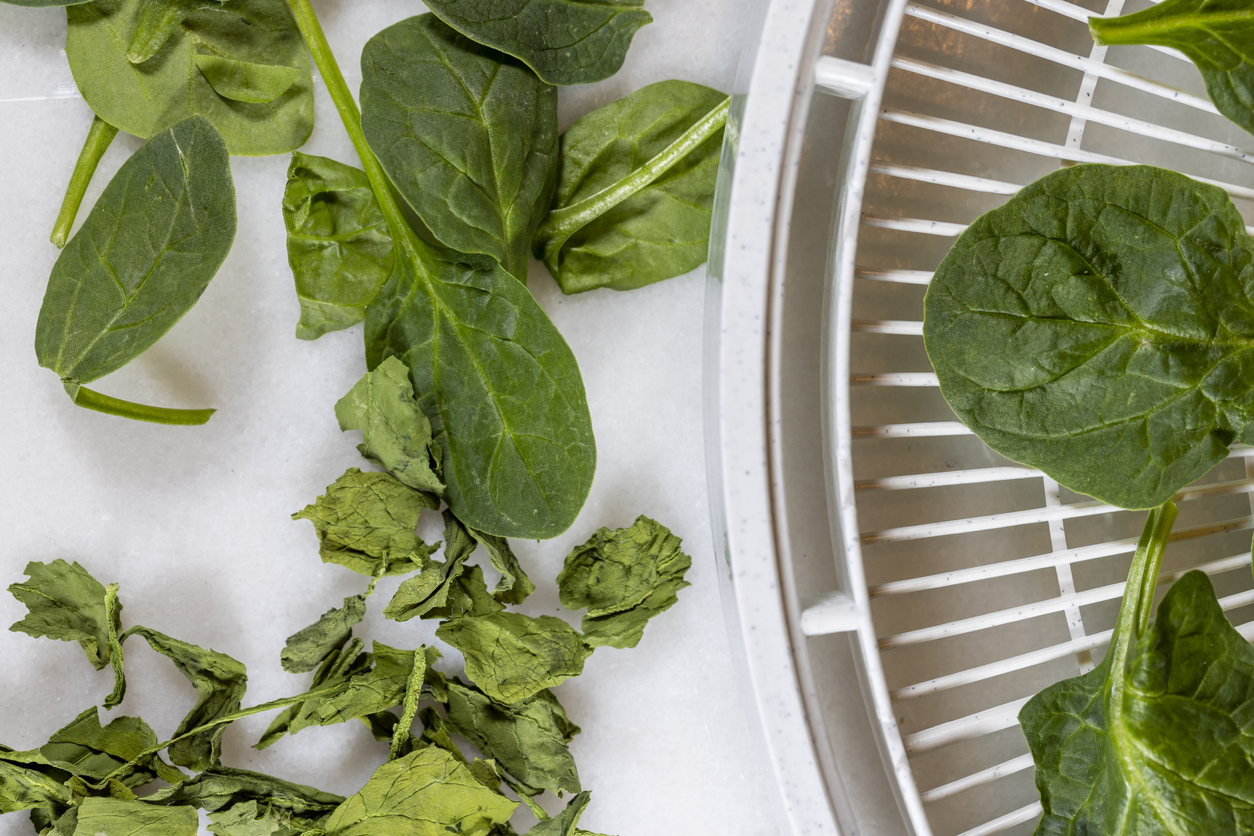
529 738
395 433
306 649
429 590
426 793
468 136
156 22
563 824
43 3
248 819
68 604
337 243
222 788
511 656
240 64
90 751
635 189
1216 35
142 258
623 578
564 41
514 585
366 522
25 784
1155 739
220 682
115 817
1100 326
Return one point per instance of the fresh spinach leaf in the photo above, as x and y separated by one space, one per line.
220 683
623 578
1216 35
365 522
1100 326
306 649
337 243
227 62
395 433
564 41
511 656
68 604
529 738
156 22
114 817
426 793
468 136
142 258
1155 739
635 190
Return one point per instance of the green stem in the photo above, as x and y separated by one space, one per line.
413 693
560 225
1153 26
88 399
99 137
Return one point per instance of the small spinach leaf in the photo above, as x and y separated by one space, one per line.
429 590
156 22
366 521
1100 326
635 189
90 751
426 793
142 258
564 41
563 824
514 585
25 784
1155 739
624 578
222 61
222 788
306 649
115 817
337 243
511 656
468 136
395 433
1216 35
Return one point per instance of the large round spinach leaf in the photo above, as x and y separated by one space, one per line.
1100 326
241 65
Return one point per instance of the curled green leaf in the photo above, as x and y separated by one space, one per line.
512 656
306 649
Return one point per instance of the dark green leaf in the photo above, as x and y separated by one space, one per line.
1100 326
85 749
635 189
395 433
563 824
142 258
366 522
226 62
511 656
426 793
1216 35
564 41
337 243
113 817
499 384
68 604
220 682
223 788
528 739
156 22
468 136
624 578
306 649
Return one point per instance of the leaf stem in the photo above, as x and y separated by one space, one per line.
88 399
99 138
563 223
413 693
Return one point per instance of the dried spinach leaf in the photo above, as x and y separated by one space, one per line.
223 788
511 656
1216 35
563 824
142 258
338 244
468 135
395 433
366 521
635 190
1100 326
68 604
241 64
92 752
306 649
43 3
429 590
249 819
564 41
1155 739
115 817
514 585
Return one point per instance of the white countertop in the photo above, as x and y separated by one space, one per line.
193 523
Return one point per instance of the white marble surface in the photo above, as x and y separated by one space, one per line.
194 522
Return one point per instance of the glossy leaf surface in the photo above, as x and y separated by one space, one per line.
468 135
1100 326
564 41
338 244
635 190
226 62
